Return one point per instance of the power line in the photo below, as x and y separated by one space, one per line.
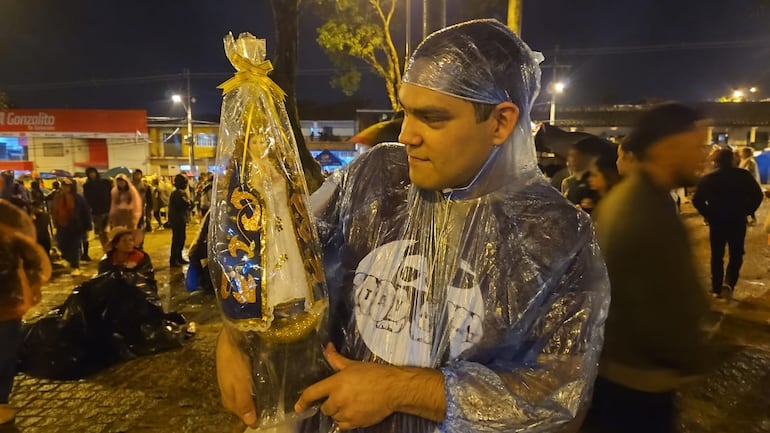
592 51
683 46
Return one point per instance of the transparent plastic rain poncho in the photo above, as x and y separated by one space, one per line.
264 255
500 284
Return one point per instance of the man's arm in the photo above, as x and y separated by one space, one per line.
755 194
699 198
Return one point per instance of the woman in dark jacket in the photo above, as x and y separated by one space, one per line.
72 219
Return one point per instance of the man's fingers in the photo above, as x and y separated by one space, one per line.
238 401
337 361
313 393
234 377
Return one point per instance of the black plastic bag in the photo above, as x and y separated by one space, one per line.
106 320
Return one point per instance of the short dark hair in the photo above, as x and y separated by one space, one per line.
724 158
483 111
660 122
593 146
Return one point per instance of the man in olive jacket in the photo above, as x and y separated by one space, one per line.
652 334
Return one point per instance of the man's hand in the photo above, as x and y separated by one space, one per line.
362 394
234 377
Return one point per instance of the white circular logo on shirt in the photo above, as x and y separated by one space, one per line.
395 317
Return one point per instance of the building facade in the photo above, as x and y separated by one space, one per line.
43 140
733 123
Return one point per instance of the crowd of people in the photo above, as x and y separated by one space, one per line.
516 317
65 215
119 212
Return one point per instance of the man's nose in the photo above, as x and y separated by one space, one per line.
409 135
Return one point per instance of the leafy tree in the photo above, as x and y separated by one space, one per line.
286 19
360 31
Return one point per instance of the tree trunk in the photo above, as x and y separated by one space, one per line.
286 22
514 15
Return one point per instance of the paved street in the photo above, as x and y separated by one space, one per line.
169 392
176 391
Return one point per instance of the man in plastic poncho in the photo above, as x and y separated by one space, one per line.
466 294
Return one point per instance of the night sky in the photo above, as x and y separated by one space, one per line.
105 54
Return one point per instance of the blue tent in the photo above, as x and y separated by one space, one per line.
114 171
763 165
326 158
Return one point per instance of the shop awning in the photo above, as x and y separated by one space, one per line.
17 165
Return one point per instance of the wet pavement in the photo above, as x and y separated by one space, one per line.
176 391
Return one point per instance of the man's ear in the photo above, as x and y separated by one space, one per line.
506 117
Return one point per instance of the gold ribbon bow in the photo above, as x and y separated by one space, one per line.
250 71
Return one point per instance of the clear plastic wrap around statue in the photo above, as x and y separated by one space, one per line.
267 268
465 293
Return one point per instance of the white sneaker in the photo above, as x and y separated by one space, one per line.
76 272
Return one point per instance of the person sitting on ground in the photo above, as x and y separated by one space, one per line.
125 258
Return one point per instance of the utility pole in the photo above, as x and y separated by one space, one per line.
190 136
556 87
433 16
408 31
514 15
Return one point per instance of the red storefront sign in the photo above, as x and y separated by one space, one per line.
86 123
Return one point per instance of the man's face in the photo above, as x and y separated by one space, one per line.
92 175
137 175
685 153
626 162
445 143
578 161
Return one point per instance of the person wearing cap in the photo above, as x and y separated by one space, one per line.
122 254
72 219
653 339
466 294
726 197
24 268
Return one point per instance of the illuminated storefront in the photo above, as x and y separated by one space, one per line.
72 140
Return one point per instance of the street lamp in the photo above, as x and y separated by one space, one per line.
737 94
556 88
177 99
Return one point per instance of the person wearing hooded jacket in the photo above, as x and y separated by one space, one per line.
179 206
466 294
126 206
24 268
